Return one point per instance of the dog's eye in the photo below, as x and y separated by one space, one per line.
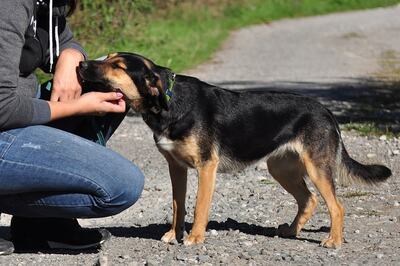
114 65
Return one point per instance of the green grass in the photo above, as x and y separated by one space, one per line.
356 194
369 129
267 182
390 66
182 34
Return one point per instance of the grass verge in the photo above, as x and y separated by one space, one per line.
370 129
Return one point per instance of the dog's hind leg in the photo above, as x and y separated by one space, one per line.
289 171
178 175
320 170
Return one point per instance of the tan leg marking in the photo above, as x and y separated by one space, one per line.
323 183
207 175
289 171
178 175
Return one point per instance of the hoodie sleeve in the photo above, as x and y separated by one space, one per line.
16 110
67 41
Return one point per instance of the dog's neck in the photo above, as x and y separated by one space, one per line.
168 83
169 92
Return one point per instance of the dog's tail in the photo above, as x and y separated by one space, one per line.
351 171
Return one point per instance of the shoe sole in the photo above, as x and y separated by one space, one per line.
7 251
59 245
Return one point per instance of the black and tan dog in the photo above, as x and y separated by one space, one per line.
214 130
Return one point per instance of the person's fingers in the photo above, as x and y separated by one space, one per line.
77 94
54 96
65 97
117 106
110 96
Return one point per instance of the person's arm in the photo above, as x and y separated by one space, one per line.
65 82
16 110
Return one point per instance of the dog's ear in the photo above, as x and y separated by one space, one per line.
157 84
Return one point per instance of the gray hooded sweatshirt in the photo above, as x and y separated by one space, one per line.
18 105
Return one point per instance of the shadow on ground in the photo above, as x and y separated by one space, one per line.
352 101
156 231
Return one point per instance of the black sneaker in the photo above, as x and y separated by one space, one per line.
6 247
54 233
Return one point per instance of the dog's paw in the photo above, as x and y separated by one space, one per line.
193 239
331 243
284 230
169 236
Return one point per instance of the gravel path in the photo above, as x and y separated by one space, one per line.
307 55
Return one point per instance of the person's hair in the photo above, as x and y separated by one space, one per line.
72 6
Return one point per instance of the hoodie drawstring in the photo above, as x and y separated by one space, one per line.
51 36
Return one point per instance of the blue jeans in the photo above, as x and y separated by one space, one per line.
47 172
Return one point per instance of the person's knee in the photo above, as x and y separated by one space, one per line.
122 193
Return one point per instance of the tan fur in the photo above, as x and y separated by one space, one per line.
207 175
112 55
119 79
289 171
178 175
323 183
186 151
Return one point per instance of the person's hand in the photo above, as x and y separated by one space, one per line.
66 86
91 103
99 103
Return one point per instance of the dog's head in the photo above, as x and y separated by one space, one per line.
142 82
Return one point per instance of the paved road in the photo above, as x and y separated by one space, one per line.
332 48
319 56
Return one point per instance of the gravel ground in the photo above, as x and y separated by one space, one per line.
249 205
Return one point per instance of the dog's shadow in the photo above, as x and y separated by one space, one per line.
156 231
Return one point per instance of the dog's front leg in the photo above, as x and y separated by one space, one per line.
178 176
207 174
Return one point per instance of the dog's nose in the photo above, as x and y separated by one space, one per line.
83 65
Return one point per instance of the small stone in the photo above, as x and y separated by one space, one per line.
332 254
396 152
253 253
247 243
262 166
173 242
370 235
265 252
379 256
357 231
202 258
261 178
371 155
383 137
180 257
213 232
150 262
102 261
244 255
396 204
